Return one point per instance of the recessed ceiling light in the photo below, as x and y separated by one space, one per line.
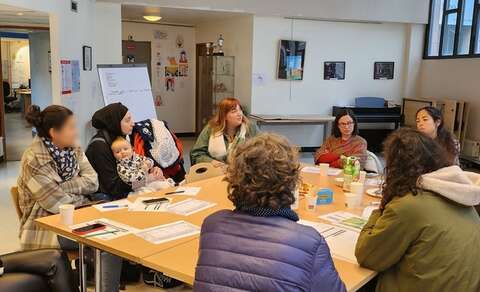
152 17
20 13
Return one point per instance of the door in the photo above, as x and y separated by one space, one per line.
2 113
204 86
137 53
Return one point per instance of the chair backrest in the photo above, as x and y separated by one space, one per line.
6 89
202 171
14 195
373 163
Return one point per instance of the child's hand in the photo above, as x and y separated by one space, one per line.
157 173
146 166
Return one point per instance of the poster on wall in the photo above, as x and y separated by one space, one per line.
183 57
170 84
334 71
66 68
75 75
383 70
291 60
183 70
171 71
158 100
160 35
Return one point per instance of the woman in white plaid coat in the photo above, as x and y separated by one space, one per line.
54 171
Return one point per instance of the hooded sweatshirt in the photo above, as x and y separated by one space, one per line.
107 121
430 241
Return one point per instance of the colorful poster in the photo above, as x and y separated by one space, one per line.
75 75
170 84
66 68
171 71
183 70
183 57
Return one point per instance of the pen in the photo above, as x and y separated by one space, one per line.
103 233
176 192
114 206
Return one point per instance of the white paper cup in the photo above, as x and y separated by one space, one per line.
363 175
66 214
324 169
311 203
351 200
357 188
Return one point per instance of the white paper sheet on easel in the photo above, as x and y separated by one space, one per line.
168 232
341 241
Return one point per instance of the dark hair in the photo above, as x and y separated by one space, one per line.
444 137
341 114
53 116
263 172
408 155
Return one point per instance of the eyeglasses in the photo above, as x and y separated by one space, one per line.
347 124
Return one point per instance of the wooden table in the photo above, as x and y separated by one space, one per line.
178 258
27 98
180 262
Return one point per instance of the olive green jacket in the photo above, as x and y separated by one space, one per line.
199 152
427 242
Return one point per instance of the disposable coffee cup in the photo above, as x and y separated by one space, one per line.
324 169
311 203
362 177
351 200
66 214
357 188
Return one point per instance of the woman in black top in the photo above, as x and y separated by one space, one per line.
111 121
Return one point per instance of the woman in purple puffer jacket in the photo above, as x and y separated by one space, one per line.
260 246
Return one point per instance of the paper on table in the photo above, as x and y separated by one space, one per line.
139 206
189 207
313 169
345 219
341 241
113 230
113 206
168 232
187 191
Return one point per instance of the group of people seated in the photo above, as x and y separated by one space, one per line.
423 237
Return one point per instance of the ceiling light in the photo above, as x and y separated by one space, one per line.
152 17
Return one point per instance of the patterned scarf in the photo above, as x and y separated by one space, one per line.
65 160
266 212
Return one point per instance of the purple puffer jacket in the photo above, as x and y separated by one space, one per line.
240 252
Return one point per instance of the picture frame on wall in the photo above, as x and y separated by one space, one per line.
87 58
334 70
291 60
383 70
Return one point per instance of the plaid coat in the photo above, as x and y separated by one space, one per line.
42 191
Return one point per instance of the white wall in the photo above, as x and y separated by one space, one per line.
178 107
16 61
41 78
456 79
407 11
69 31
360 45
238 35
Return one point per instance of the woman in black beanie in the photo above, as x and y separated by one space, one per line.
111 121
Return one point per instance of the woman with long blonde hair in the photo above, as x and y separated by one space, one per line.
228 128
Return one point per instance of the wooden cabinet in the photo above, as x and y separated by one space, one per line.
455 114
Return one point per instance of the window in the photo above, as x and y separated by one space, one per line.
454 29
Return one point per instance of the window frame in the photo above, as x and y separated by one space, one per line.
445 13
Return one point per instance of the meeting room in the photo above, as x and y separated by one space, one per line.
234 145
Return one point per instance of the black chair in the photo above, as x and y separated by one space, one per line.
7 98
37 271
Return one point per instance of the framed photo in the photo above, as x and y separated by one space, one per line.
334 70
87 58
383 70
291 60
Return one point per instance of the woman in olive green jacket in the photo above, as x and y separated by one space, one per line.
228 128
426 235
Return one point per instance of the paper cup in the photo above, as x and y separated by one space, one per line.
363 175
66 214
324 169
311 203
351 200
357 188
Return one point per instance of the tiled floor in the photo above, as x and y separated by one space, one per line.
18 135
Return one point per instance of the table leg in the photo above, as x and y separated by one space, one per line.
98 271
82 268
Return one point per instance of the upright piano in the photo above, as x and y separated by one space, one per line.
375 123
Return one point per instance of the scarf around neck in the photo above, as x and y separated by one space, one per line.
216 143
266 212
65 160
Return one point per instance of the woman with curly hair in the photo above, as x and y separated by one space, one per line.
425 235
260 246
430 123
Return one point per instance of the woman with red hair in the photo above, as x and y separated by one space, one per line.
228 128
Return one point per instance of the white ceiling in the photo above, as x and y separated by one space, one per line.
174 15
14 15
